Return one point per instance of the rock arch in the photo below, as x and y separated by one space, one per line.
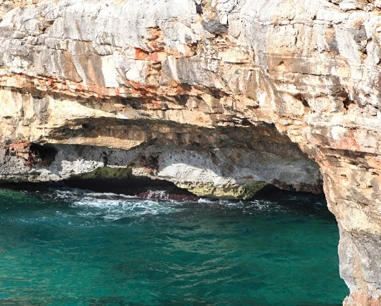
95 74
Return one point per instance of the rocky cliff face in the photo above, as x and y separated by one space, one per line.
220 99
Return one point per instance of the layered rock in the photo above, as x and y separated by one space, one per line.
221 102
134 91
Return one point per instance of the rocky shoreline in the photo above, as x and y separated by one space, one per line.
221 99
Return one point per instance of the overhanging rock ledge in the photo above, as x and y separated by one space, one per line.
220 102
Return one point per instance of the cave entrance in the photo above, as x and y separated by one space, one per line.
44 154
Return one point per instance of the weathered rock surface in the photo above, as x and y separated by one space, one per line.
220 103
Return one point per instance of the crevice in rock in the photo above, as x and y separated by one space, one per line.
302 99
347 102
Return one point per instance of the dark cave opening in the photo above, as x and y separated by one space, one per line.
142 187
45 154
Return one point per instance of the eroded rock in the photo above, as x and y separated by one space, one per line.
237 96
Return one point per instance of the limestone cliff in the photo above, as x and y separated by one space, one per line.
221 101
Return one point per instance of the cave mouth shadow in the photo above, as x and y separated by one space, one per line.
301 202
44 154
143 187
132 185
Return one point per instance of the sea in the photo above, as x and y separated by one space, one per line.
67 246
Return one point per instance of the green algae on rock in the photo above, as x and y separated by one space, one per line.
244 191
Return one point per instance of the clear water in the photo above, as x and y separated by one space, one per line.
71 247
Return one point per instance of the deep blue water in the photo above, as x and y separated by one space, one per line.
72 247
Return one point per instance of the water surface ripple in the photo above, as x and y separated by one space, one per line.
73 247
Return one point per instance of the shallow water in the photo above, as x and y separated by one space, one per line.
72 247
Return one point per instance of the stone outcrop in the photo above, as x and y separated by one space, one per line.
221 100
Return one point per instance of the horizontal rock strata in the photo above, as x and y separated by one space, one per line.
220 100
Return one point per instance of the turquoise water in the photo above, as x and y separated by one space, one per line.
71 247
